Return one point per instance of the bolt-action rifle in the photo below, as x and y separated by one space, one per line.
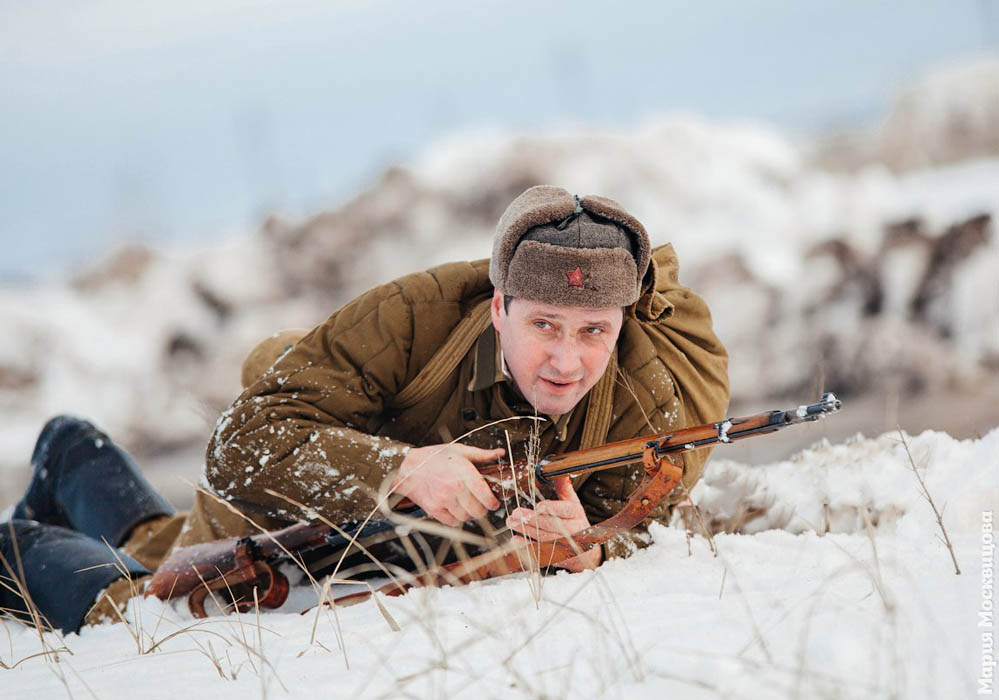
232 568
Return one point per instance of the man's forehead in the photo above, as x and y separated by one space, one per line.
582 314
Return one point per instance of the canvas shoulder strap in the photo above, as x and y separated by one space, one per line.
446 359
599 407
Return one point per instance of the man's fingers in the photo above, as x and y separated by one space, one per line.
483 494
445 481
547 523
564 489
459 514
471 505
444 517
561 509
530 522
539 535
477 455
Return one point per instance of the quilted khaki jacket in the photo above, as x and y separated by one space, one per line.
333 418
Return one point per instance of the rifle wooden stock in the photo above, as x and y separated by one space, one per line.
235 565
189 567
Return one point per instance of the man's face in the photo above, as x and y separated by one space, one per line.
555 354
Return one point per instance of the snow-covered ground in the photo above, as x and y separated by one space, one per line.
832 582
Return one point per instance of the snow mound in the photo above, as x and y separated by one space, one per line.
948 115
847 487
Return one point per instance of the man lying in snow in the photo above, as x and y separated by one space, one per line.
574 319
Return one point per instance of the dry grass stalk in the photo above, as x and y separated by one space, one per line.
381 504
15 574
38 621
259 651
213 657
119 565
139 636
187 629
7 666
929 499
527 556
239 621
241 640
874 573
758 637
321 590
620 631
887 600
705 530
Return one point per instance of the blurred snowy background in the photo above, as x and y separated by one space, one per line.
182 180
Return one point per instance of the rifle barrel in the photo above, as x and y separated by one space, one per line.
631 451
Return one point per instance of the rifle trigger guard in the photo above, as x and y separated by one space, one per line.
650 457
249 573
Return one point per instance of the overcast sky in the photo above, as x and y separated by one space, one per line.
183 120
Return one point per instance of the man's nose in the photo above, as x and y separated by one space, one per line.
564 357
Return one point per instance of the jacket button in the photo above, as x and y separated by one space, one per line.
469 414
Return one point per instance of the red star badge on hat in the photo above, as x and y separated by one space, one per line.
575 278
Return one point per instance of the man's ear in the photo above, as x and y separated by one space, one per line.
496 310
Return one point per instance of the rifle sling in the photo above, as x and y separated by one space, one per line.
445 360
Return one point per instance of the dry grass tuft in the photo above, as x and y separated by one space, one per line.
925 492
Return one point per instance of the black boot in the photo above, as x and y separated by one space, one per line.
85 482
63 571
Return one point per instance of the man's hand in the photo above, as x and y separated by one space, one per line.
556 518
443 480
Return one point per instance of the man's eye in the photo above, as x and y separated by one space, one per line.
595 330
543 325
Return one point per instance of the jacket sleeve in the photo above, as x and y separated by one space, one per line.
673 375
300 429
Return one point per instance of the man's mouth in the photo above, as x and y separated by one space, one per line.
559 384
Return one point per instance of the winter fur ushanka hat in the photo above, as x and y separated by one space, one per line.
556 248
